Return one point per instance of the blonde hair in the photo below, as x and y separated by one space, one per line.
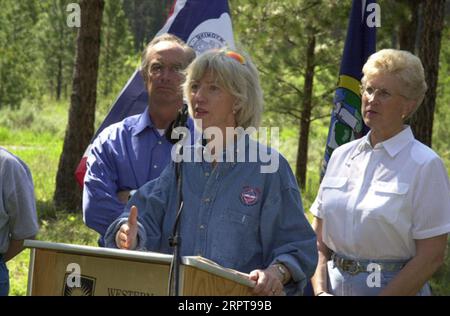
237 76
145 60
402 64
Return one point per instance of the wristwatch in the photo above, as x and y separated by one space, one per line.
282 270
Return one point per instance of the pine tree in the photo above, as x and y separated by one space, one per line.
80 127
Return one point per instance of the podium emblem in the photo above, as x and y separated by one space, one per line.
86 288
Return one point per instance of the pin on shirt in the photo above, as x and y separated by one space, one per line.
250 196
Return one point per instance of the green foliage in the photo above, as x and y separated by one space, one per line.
37 50
56 47
32 117
67 228
18 273
441 132
145 19
280 57
35 134
116 47
17 51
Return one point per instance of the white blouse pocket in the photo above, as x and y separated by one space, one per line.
333 182
384 200
333 193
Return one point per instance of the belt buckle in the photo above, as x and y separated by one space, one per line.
354 268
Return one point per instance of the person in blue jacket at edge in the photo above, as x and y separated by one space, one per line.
134 151
240 210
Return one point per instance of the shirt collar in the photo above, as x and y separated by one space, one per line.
399 141
143 122
393 145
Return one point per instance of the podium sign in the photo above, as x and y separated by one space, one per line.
73 270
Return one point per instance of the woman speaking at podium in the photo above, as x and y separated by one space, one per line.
238 210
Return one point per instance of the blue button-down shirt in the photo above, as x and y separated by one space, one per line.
124 156
233 214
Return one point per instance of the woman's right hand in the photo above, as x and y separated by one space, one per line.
126 237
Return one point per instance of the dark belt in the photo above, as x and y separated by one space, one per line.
354 267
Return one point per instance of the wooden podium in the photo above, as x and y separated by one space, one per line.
73 270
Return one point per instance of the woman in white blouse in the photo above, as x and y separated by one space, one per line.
382 213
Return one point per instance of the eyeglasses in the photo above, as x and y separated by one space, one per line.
157 68
381 93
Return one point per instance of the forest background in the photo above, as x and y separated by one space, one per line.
289 40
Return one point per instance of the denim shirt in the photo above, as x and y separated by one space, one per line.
233 214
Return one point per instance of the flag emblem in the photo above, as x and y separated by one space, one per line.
250 196
206 41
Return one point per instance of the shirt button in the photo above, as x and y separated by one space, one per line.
159 142
206 174
206 200
202 226
155 166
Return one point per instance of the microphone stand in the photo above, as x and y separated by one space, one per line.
175 239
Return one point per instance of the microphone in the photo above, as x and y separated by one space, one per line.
180 121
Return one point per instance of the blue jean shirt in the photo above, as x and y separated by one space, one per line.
233 214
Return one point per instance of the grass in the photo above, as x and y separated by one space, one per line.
35 133
64 228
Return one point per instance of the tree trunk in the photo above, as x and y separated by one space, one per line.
80 127
302 151
429 49
407 32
